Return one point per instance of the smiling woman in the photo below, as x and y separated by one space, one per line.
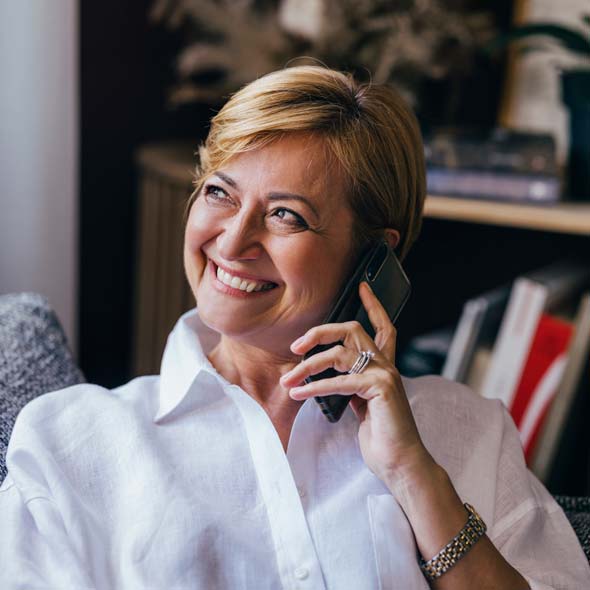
276 217
222 472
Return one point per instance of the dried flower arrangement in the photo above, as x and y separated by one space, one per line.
401 41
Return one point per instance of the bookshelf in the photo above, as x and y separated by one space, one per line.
566 218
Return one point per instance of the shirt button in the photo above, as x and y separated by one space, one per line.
301 492
301 573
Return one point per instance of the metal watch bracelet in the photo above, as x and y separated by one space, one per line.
459 545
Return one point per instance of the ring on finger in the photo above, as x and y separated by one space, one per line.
363 359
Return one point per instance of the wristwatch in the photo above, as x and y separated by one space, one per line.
459 545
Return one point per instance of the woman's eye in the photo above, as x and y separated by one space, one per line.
290 217
215 193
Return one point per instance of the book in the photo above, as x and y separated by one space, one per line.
498 150
546 289
477 327
501 186
542 373
478 368
502 164
572 385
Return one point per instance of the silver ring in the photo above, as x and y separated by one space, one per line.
364 358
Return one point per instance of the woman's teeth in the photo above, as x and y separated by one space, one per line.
242 284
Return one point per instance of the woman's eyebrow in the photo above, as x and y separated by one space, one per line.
274 196
227 179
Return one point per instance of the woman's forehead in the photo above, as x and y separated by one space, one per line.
301 162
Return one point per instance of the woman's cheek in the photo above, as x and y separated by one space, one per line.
195 260
199 229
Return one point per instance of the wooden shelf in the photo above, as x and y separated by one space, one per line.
567 218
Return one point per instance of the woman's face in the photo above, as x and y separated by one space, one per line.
268 243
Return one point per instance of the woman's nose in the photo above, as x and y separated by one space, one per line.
240 239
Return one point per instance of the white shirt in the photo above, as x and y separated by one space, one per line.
180 481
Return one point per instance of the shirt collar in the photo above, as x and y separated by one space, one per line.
185 364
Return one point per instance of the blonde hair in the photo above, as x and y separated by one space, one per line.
368 128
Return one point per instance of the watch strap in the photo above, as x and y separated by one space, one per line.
459 545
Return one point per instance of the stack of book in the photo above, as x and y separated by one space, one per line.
501 165
528 344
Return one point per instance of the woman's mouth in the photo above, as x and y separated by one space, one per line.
242 285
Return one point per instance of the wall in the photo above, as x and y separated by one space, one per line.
39 153
125 69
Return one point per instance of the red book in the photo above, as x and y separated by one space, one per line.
540 378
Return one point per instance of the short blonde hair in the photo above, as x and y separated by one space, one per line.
368 128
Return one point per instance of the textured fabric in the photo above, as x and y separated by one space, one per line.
34 358
577 510
180 481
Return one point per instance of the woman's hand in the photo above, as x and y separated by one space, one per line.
388 437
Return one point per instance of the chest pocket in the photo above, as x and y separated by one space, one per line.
394 545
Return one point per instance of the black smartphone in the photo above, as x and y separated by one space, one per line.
381 269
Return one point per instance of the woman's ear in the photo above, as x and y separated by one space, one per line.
392 237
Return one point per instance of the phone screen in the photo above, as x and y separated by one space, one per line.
381 269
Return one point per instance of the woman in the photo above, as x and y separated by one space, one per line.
222 472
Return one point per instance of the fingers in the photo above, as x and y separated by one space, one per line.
351 333
364 385
385 332
339 385
338 358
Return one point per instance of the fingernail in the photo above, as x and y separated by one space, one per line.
298 342
294 391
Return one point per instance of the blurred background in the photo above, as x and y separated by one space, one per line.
103 105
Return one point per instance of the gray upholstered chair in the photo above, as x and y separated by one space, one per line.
35 359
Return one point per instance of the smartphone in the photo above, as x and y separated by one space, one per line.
381 269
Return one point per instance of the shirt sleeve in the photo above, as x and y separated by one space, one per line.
35 552
39 548
530 528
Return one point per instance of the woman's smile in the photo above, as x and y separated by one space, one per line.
238 284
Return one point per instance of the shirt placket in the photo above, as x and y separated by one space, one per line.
297 560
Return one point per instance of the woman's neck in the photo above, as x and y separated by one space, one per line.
256 371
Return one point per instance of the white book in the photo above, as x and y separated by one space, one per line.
525 307
462 342
547 288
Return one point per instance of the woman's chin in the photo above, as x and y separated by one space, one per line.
223 320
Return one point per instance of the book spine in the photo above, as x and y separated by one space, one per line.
461 349
540 378
526 304
494 185
578 358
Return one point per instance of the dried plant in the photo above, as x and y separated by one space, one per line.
390 41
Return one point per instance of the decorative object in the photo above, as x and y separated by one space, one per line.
554 62
233 42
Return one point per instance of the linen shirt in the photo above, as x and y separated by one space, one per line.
180 481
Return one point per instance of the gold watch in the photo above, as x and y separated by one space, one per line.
459 545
